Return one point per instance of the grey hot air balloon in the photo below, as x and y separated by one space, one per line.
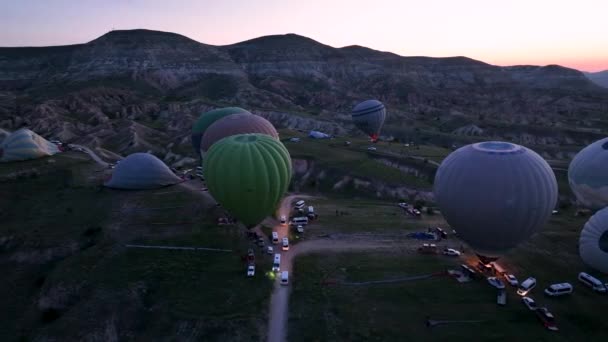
369 117
141 171
234 124
495 194
593 243
587 175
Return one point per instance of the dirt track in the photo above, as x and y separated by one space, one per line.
279 302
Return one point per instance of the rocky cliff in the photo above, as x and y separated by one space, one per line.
141 89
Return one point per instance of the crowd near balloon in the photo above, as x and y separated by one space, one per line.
495 194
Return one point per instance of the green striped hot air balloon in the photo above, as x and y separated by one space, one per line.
248 174
24 144
207 119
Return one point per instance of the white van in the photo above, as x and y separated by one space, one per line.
285 244
300 204
284 278
592 282
526 286
311 212
276 265
275 237
555 290
299 221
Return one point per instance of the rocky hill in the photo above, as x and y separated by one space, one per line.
599 78
140 90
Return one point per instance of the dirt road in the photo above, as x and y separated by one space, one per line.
279 301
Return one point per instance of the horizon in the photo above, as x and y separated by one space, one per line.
542 33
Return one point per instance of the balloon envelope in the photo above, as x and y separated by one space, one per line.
593 243
588 176
369 117
141 171
207 119
234 124
248 174
24 144
495 194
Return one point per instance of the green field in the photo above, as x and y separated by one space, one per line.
390 312
365 215
68 275
321 308
352 160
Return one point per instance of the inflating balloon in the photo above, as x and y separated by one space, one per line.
495 195
248 175
587 175
206 120
593 243
234 124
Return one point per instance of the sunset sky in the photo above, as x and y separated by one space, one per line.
507 32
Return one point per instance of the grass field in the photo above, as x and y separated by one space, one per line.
365 215
354 159
391 312
68 276
397 312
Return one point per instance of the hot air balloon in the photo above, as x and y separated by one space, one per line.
24 144
248 174
206 120
495 194
236 124
369 117
141 171
587 175
593 243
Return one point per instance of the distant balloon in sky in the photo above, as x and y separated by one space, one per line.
240 123
207 119
593 243
369 117
588 175
495 195
248 175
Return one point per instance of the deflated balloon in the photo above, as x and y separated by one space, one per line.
24 144
587 175
234 124
495 194
248 174
593 243
206 120
369 117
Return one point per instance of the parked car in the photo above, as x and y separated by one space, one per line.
529 303
285 245
250 270
283 220
204 189
294 140
269 250
451 252
300 229
592 282
497 283
403 205
371 148
561 289
526 286
511 279
547 318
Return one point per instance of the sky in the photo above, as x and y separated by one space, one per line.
572 33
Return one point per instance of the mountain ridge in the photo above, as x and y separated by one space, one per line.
164 80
